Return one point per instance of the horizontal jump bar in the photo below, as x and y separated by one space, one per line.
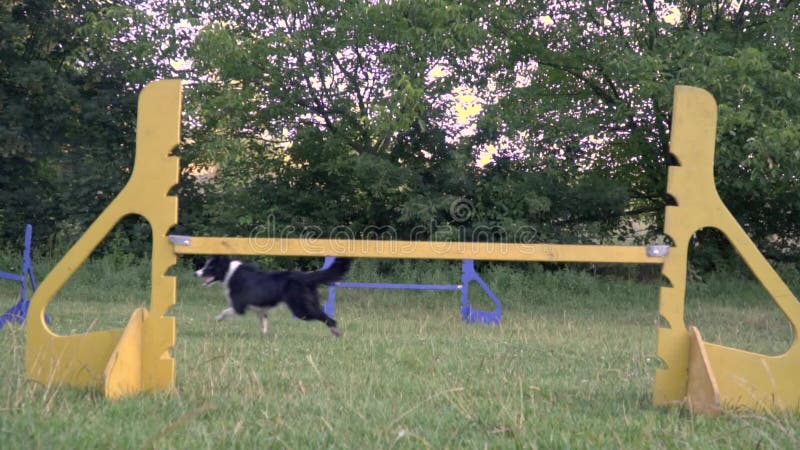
429 287
491 251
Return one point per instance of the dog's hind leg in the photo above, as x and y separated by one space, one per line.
334 329
322 317
310 310
316 313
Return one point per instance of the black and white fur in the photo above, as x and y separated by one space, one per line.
247 287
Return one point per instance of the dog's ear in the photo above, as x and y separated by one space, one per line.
198 262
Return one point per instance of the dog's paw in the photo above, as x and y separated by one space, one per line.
220 318
336 332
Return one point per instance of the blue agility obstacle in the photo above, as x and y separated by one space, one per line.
468 275
18 312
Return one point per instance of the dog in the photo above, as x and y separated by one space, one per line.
247 287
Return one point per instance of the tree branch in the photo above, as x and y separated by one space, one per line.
588 82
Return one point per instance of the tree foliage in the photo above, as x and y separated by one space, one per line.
342 116
328 113
589 84
70 73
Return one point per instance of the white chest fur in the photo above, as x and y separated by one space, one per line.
231 269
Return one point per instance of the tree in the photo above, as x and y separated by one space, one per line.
585 87
70 73
326 113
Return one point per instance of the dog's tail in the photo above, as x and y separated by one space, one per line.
332 274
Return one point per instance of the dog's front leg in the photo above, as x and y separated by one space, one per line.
262 318
227 312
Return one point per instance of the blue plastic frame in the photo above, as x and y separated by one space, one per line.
468 275
18 312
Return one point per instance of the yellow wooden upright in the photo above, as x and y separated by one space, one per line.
743 378
82 359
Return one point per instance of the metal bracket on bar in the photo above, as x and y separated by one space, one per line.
657 251
180 240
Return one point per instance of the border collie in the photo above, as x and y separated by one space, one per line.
247 287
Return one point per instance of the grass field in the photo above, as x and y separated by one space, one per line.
570 367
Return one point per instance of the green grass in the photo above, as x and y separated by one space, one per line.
570 367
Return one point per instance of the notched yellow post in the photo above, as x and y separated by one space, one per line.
743 378
81 360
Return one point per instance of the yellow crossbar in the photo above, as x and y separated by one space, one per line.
493 251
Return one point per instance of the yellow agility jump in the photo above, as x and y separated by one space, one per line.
741 378
137 358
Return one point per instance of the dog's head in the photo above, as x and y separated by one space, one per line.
214 270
